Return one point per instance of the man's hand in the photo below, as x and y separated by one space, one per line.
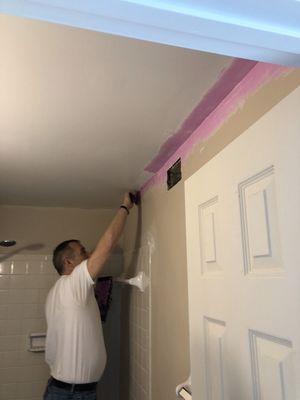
127 201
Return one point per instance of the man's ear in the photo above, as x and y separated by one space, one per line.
67 262
68 266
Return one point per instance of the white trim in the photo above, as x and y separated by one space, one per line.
169 24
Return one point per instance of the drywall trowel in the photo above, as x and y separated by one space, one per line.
135 198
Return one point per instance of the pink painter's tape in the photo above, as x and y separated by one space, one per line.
228 80
258 76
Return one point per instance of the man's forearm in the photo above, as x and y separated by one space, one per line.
114 230
109 240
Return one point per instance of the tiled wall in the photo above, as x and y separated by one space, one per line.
140 327
109 387
24 284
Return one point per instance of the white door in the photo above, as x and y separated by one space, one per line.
243 241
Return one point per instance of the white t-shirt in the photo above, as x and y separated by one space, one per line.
75 349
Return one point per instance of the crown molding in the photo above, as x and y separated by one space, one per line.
168 23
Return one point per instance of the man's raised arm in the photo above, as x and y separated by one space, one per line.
109 239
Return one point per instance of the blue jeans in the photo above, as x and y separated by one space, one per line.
56 393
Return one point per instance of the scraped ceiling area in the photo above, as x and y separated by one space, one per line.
82 113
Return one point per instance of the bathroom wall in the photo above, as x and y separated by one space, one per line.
160 221
138 358
154 349
24 284
109 386
25 279
51 225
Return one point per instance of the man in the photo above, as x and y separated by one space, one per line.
75 349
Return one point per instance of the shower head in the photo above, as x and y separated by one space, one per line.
7 243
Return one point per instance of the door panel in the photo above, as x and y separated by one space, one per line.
208 234
272 366
260 235
242 219
214 343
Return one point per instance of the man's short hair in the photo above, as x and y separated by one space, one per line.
60 252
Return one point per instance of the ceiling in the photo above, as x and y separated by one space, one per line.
82 112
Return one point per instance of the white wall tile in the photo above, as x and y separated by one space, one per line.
46 281
19 267
33 281
3 312
3 327
14 327
23 289
9 343
145 319
34 267
40 311
29 257
23 342
139 328
3 296
9 359
29 390
4 281
18 282
33 325
24 374
23 296
15 311
47 268
24 390
42 295
28 358
11 375
145 339
36 373
6 267
38 388
144 360
31 311
8 391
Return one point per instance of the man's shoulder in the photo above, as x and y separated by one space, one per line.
81 273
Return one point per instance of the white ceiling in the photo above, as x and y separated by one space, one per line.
83 112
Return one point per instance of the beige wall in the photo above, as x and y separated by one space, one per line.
162 219
51 225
